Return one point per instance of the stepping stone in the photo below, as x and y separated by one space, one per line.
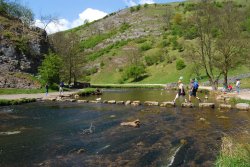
187 105
206 105
242 106
128 102
82 101
111 102
151 103
94 101
120 102
71 100
105 101
225 106
167 104
136 103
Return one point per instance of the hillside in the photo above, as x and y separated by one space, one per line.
152 35
22 49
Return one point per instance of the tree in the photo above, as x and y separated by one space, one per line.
67 47
204 19
230 44
50 68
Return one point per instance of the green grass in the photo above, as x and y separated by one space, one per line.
86 91
237 100
5 102
234 153
245 83
22 91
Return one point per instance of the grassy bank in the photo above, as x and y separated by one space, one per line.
5 102
234 152
22 91
86 91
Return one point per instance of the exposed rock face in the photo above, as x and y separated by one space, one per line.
22 50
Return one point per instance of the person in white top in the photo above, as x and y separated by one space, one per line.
181 91
238 86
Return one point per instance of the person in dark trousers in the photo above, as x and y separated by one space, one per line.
194 85
46 89
61 85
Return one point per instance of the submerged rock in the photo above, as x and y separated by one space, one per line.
10 133
242 106
222 117
136 123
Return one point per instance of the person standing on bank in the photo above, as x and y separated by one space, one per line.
194 85
238 86
46 89
181 91
61 88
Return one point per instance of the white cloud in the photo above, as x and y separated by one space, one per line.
88 14
146 1
130 2
63 24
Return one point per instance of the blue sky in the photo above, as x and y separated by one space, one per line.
72 13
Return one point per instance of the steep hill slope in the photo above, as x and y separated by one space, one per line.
154 35
21 52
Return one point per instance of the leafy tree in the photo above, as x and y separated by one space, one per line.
134 72
50 68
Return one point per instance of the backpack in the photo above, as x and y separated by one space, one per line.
196 85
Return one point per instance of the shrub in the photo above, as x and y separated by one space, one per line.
145 5
138 7
191 32
146 46
134 72
132 9
154 56
124 27
180 64
165 43
86 91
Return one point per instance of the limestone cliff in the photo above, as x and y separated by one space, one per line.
22 49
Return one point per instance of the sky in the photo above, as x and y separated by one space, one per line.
73 13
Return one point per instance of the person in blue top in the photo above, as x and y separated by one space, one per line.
194 85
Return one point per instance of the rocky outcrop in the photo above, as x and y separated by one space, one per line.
22 50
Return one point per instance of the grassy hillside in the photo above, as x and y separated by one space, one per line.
155 35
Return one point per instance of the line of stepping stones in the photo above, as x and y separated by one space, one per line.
239 106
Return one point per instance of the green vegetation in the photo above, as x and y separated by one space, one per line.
234 152
134 71
50 69
180 64
126 86
86 91
5 102
237 100
22 91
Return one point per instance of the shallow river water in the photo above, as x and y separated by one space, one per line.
49 133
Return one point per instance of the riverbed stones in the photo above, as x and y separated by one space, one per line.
71 100
111 102
187 105
242 106
128 102
105 101
167 104
206 105
120 102
151 103
136 103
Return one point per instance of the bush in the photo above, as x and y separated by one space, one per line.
146 46
138 7
154 56
145 5
191 32
180 64
132 9
134 72
86 91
